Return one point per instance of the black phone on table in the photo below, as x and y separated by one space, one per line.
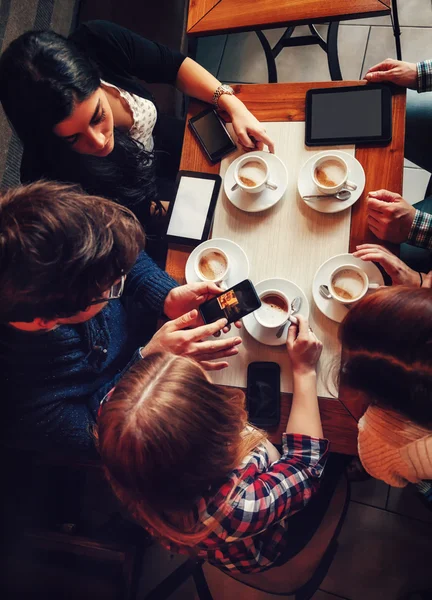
263 394
232 304
212 133
190 215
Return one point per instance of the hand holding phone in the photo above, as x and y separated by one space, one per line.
233 304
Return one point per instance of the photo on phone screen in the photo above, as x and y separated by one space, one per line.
233 304
212 134
263 394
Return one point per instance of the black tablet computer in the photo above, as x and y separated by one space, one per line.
349 115
191 213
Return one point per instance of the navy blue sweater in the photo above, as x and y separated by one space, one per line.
53 382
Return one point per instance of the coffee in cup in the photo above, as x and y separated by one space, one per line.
274 310
212 264
252 174
330 174
349 283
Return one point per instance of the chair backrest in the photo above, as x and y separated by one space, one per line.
302 574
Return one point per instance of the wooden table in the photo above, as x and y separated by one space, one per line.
383 168
210 17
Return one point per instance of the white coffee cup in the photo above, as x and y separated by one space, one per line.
253 178
334 177
274 310
212 264
354 284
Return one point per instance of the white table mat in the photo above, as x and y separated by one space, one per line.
289 240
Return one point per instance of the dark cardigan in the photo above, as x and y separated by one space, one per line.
52 382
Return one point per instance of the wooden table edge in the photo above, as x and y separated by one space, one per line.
205 25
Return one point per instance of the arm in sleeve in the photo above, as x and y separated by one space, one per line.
285 488
424 76
127 53
147 283
421 230
56 420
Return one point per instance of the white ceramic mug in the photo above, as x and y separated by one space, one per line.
260 313
263 183
365 281
219 275
344 183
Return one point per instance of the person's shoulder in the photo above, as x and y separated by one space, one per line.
99 30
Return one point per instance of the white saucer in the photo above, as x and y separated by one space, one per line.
331 308
291 290
239 263
265 199
306 186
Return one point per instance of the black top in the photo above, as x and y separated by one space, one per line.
123 58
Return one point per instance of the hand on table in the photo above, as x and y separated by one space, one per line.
397 270
185 298
304 348
175 337
395 71
246 126
389 216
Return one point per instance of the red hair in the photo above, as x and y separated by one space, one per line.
387 338
166 437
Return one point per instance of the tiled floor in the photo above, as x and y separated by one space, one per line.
362 43
385 545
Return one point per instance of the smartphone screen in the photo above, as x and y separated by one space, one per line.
263 393
212 134
233 304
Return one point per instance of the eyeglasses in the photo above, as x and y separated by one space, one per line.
114 293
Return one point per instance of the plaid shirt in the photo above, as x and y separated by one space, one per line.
252 528
424 76
421 230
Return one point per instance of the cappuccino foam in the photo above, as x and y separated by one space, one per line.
212 265
273 309
330 173
348 284
252 173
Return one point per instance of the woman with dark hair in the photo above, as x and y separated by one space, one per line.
387 338
84 117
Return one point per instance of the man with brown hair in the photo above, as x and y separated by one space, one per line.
77 304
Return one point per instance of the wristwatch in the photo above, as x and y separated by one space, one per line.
222 89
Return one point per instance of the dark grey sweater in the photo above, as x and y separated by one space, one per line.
52 382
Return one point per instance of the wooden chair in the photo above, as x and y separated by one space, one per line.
53 537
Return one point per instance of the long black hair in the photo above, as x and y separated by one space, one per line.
42 76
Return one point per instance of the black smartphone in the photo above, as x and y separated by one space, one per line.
212 134
263 394
233 304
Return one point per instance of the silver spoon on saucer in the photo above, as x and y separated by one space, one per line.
295 307
325 293
342 195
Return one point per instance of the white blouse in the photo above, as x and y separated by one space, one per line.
144 117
